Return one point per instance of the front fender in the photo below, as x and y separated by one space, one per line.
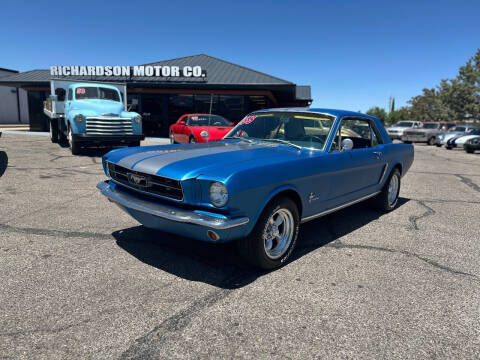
137 128
78 127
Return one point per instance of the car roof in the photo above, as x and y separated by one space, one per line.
335 112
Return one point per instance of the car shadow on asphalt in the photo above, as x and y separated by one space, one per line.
219 265
3 162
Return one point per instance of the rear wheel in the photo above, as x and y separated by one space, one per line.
470 151
274 236
53 130
388 197
74 146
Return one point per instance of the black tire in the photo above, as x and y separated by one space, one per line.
381 201
192 140
172 139
438 145
431 141
407 142
470 151
253 248
74 146
448 147
53 125
134 144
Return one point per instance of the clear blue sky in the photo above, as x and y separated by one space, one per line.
354 54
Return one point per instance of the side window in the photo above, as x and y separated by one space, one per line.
360 131
69 94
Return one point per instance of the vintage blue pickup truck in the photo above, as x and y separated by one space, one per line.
275 169
91 113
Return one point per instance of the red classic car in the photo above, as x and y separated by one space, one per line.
199 128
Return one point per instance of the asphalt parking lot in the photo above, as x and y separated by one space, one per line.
80 279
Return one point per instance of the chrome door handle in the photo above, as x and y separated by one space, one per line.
378 154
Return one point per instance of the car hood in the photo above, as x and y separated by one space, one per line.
99 107
187 161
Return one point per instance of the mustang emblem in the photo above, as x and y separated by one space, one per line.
137 180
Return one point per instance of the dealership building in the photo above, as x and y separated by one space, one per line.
164 90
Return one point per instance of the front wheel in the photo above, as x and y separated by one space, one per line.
172 138
406 142
274 236
470 151
192 140
74 146
431 141
388 197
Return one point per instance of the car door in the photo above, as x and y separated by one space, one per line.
179 130
361 173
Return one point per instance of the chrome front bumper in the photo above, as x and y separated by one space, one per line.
168 212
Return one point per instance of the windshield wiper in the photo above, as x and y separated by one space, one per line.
239 138
283 142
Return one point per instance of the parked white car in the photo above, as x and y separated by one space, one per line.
396 131
459 141
453 132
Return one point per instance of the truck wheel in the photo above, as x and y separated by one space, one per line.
134 144
274 236
388 197
406 142
53 130
431 141
74 146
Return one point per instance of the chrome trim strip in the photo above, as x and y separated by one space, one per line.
166 211
383 173
326 212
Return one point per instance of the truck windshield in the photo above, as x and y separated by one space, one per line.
94 92
404 124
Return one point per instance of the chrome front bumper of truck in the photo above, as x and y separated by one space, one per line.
415 138
117 139
168 212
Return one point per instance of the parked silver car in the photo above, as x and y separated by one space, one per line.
427 133
452 132
396 131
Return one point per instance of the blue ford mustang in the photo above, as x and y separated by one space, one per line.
276 169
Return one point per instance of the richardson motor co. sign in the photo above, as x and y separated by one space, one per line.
127 71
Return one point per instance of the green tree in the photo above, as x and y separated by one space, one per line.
378 112
395 116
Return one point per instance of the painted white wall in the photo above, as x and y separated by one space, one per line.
8 103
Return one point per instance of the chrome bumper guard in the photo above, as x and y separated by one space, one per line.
167 211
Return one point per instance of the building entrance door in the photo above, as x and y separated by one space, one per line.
154 110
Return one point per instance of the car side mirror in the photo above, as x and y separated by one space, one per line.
347 144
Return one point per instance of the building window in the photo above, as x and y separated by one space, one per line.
179 105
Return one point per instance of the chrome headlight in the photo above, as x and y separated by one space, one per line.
218 194
204 134
78 118
137 119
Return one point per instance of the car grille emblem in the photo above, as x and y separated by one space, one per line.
137 180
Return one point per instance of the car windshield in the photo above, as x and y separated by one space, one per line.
458 128
95 92
430 126
207 120
404 124
297 129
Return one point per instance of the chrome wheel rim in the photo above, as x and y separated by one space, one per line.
192 140
393 190
171 138
278 233
70 136
51 131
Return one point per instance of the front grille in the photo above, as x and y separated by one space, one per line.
153 184
109 126
414 133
